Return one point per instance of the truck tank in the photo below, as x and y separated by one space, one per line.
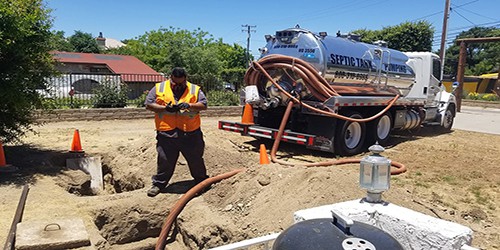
344 61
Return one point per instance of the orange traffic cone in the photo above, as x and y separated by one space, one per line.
3 162
247 117
76 145
4 167
263 155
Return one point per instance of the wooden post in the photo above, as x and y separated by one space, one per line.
460 74
496 88
461 64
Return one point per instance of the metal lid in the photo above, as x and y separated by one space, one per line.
322 234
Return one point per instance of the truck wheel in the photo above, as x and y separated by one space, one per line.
350 136
379 130
449 117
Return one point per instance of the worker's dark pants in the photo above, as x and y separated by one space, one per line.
191 145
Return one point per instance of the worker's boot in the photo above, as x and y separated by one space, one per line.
154 191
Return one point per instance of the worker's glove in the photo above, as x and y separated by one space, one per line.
172 108
183 105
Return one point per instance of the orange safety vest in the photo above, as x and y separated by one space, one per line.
184 120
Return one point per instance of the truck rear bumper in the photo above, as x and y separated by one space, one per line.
310 141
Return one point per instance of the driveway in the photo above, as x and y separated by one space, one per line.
478 119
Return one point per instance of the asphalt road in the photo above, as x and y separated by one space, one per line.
478 119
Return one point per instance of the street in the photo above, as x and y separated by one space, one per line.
478 119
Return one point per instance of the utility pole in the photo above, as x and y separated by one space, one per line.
442 50
462 61
248 30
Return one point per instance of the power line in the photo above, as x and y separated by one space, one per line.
493 24
433 14
454 34
478 14
458 13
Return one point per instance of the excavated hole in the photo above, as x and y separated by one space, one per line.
77 182
122 224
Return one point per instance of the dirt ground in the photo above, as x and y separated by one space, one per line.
453 176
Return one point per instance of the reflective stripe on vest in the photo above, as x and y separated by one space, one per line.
184 120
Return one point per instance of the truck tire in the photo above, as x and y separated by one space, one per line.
379 130
449 117
350 136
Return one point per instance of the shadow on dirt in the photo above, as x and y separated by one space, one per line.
179 187
30 161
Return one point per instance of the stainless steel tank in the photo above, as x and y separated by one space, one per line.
343 60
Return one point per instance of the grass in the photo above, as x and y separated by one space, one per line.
422 184
452 180
480 197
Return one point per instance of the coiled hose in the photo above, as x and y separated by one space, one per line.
320 88
318 85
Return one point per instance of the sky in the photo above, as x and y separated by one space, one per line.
128 19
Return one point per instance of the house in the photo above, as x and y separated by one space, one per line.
83 72
483 84
108 43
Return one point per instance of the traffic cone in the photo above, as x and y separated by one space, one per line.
263 155
4 167
3 162
76 145
247 117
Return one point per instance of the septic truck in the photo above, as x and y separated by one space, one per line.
340 95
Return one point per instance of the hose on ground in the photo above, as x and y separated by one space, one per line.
399 167
179 205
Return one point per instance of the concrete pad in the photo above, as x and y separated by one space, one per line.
55 234
91 166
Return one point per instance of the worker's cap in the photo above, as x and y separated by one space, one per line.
179 72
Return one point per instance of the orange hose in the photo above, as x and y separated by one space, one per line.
400 168
179 205
320 89
314 86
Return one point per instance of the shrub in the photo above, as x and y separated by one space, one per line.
223 98
484 97
473 96
139 101
65 103
110 96
489 97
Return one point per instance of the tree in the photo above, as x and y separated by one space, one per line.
83 42
204 57
25 63
481 58
60 43
407 36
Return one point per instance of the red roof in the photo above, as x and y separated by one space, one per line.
118 64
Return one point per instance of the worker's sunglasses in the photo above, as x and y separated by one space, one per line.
178 80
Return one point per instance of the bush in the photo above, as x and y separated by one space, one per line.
139 102
473 96
65 103
223 98
483 97
490 97
110 96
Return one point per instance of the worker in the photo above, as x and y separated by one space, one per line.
177 103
